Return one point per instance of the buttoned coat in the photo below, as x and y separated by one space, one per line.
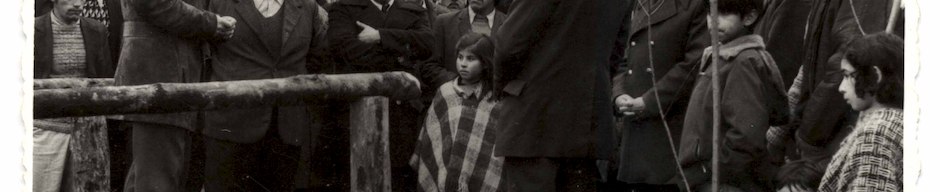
246 56
552 64
665 46
404 29
162 44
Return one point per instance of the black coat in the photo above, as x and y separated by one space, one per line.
677 34
552 63
245 56
405 30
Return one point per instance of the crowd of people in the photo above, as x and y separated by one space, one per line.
517 95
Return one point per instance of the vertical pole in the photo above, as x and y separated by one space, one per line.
716 95
893 18
368 138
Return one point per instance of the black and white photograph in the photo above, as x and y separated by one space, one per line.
470 96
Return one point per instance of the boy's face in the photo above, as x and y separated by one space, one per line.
847 88
731 26
469 67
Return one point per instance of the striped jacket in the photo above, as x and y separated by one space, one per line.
455 147
871 157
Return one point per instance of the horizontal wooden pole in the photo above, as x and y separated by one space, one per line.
180 97
65 83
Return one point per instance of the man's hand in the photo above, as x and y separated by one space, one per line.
621 103
225 26
636 104
368 34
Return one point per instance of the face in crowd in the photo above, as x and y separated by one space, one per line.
69 10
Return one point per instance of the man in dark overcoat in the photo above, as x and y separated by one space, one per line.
380 36
552 72
666 41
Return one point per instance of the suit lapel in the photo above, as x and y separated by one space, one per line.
463 22
499 18
44 37
248 12
88 36
667 10
292 14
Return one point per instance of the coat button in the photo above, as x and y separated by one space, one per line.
630 72
632 43
649 69
652 43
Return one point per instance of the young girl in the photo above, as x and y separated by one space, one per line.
455 148
871 157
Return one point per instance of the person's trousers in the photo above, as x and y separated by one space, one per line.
161 158
50 149
523 174
266 165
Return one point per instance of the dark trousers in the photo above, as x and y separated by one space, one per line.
162 159
550 174
404 127
266 165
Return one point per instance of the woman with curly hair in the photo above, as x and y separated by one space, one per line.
871 157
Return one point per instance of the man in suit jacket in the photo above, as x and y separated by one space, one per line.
97 54
379 36
162 45
258 149
676 33
448 28
553 72
70 152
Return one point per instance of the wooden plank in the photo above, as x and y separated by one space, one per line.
179 97
368 137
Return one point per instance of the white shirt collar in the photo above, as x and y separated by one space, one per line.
489 17
258 2
377 5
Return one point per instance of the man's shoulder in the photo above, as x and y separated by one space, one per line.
411 5
449 15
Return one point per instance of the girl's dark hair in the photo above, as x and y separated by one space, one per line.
886 52
482 46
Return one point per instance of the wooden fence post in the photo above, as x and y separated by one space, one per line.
368 137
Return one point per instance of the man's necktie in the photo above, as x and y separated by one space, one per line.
268 7
480 24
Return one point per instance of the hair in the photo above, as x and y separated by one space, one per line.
482 46
885 52
741 8
801 173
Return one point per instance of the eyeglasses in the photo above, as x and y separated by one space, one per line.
851 75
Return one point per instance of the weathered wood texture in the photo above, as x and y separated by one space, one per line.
177 97
368 137
66 83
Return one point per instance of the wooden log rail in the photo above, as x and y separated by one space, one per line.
179 97
66 83
369 155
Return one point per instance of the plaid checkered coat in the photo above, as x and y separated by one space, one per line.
455 147
871 158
